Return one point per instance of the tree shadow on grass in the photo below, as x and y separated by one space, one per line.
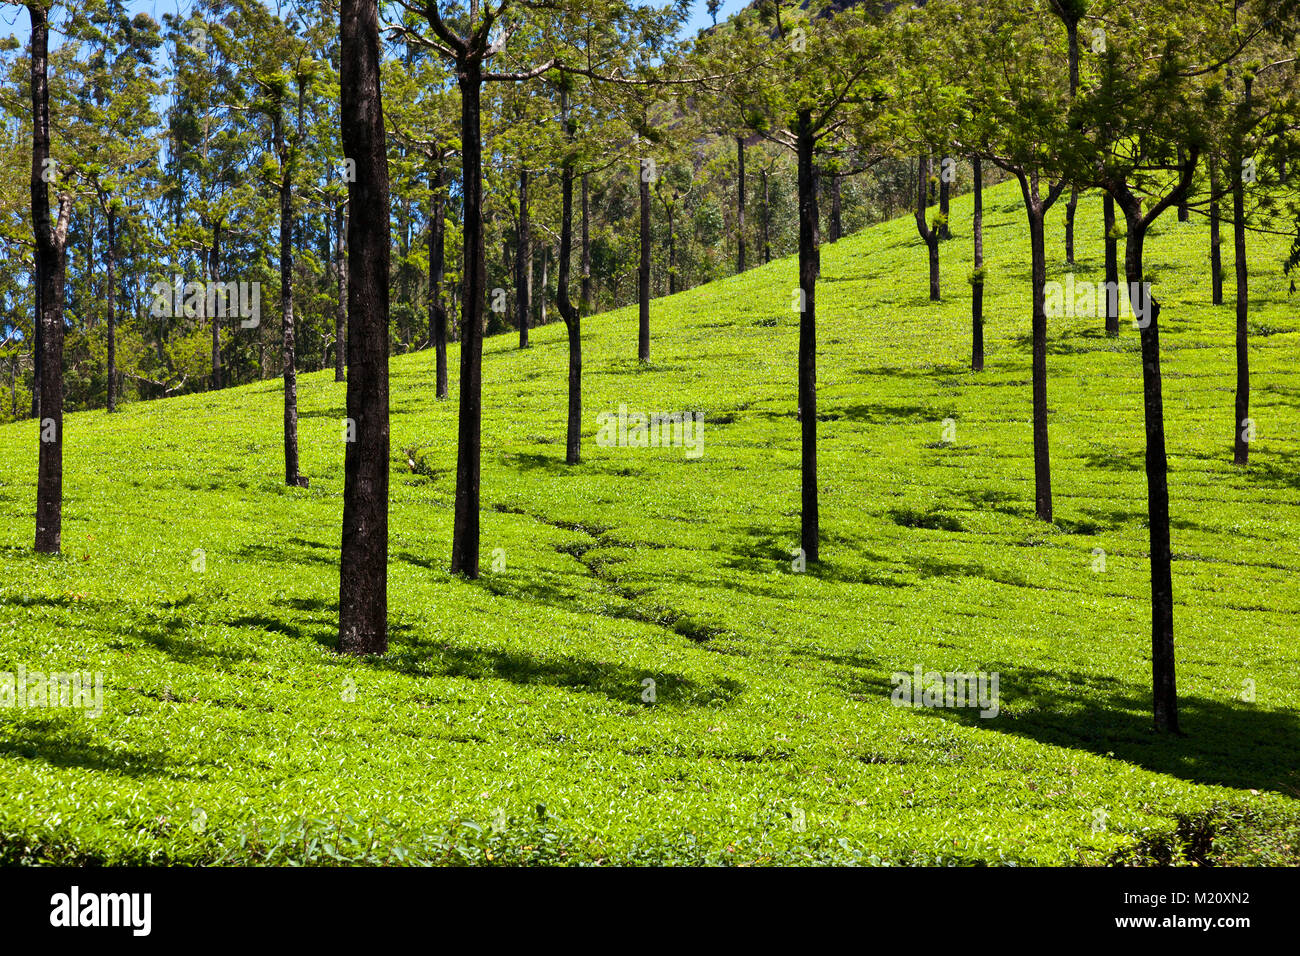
65 743
1228 743
618 682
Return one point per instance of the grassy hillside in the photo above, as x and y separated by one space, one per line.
507 722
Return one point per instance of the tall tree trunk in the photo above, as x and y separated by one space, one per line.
643 273
740 206
341 273
363 569
544 284
289 359
51 239
1216 242
928 235
214 275
586 249
1112 267
437 274
523 272
572 317
1036 208
672 253
111 303
38 334
767 220
1241 447
809 270
1042 456
465 531
1162 592
1183 212
977 279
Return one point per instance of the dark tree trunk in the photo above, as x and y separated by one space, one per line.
465 531
1112 267
51 241
809 270
214 275
38 336
437 270
1042 456
1036 208
1183 212
643 274
543 283
292 475
672 253
572 317
1147 309
586 249
523 272
767 221
363 577
740 205
1216 249
1241 447
111 304
977 280
341 273
928 235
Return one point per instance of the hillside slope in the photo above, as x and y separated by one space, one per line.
509 720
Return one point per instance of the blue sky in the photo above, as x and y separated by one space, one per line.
13 18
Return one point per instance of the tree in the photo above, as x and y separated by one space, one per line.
802 79
1141 130
1020 125
363 568
51 246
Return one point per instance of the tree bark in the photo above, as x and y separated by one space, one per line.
289 370
977 280
363 570
1112 267
465 530
437 275
572 317
767 220
341 273
111 305
1036 207
214 275
1216 248
643 273
1241 403
809 269
928 235
586 249
1162 593
523 263
51 239
740 206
